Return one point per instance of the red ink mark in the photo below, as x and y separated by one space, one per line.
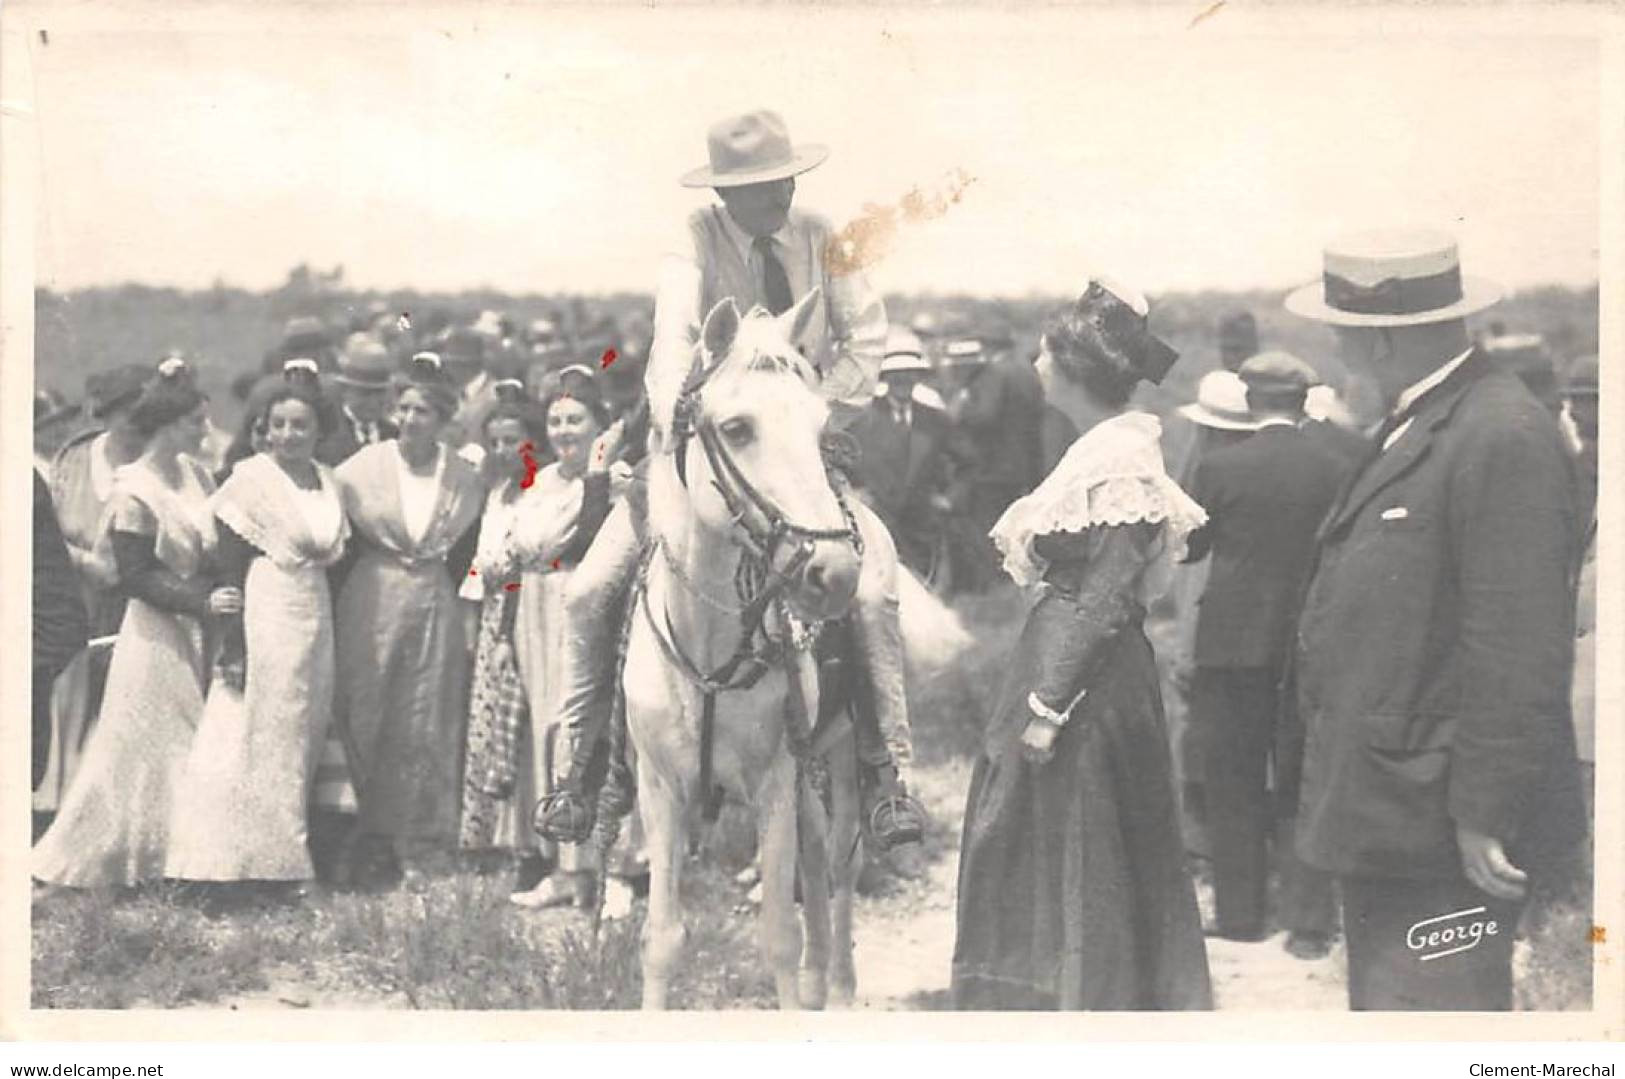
555 563
473 573
610 356
511 586
527 454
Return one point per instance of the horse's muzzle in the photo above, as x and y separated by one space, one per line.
828 580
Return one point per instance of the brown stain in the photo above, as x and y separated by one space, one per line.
1205 15
1599 934
869 237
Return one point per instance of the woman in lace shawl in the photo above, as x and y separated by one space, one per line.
240 814
1073 891
113 826
402 699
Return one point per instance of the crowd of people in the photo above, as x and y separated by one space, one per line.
381 629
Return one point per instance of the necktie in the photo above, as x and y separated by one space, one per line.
775 283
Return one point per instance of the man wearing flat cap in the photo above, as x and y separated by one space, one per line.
1436 639
757 250
1265 495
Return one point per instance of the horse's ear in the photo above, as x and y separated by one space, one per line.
796 320
721 327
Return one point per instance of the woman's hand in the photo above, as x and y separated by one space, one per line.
1038 740
226 601
620 478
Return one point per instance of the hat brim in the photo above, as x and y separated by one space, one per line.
1200 414
381 383
1310 302
803 158
904 365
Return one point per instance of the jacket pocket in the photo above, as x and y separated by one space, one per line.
1399 790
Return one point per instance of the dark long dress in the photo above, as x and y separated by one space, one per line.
1073 890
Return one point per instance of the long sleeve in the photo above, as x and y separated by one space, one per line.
1089 595
461 554
594 509
1200 541
676 326
233 555
144 577
61 625
1512 518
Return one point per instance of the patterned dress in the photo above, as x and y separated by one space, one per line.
402 690
542 539
1073 891
113 824
241 810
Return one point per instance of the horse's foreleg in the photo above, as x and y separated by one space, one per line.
844 863
663 931
776 846
813 869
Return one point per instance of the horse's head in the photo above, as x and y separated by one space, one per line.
751 407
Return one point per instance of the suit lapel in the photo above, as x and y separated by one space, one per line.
1384 467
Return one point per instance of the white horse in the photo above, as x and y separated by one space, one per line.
752 546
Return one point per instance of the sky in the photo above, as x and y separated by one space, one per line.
538 149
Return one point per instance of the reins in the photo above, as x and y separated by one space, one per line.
760 529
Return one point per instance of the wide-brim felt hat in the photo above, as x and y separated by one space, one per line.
1397 277
753 148
365 363
1221 402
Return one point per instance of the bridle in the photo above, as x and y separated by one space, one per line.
761 527
762 530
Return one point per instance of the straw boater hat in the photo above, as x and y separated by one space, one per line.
1398 277
1221 402
903 353
753 149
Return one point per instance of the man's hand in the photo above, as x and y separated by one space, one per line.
606 447
1486 865
1038 741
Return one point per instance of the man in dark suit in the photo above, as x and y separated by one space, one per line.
1435 644
61 626
1000 413
363 382
1264 496
905 445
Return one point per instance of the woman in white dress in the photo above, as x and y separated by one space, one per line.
113 825
566 506
240 813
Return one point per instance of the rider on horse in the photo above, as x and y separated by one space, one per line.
757 250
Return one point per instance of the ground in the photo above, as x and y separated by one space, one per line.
460 944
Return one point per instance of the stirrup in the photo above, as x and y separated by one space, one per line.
564 816
894 820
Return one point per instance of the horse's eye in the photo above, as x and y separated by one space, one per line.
738 432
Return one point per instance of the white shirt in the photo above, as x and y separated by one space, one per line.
1414 392
419 493
715 258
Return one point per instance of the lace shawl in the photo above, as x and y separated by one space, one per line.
1112 475
257 503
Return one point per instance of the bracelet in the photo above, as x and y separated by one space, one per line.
1042 711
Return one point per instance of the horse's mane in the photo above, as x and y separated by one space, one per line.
760 346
